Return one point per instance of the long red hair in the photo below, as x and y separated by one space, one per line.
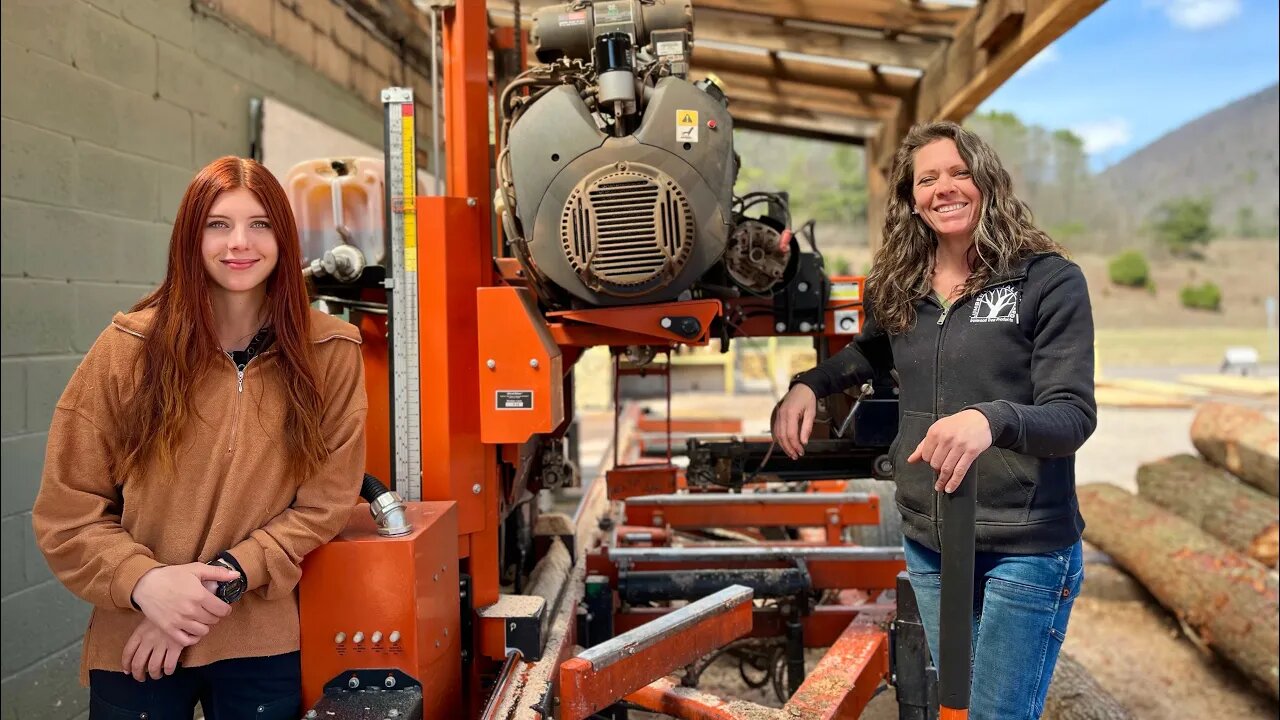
182 344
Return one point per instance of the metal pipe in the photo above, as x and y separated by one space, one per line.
361 305
795 653
435 101
831 499
756 553
645 586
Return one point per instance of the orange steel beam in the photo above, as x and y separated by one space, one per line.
754 510
377 376
454 461
632 535
666 696
627 481
845 679
466 80
602 675
651 321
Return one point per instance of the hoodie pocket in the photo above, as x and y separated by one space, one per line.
1004 489
914 480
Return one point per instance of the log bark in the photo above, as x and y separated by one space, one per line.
1242 440
1231 603
1075 695
1243 517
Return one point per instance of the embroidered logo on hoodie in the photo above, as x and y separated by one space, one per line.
997 304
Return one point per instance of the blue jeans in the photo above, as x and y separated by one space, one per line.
1021 605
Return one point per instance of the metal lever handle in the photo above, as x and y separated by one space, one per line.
866 392
955 622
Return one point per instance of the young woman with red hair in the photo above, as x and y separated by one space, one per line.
210 439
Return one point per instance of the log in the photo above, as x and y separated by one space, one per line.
1242 440
1215 501
1228 601
1075 695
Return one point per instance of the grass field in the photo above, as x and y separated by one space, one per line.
1167 347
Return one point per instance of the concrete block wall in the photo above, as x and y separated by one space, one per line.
108 109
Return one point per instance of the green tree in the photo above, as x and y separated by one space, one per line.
1129 269
1183 224
1201 297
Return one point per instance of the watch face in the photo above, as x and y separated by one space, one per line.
230 591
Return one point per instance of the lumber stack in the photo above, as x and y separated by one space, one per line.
1075 695
1240 440
1202 535
1217 502
1228 602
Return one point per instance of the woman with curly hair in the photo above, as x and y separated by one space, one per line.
988 329
210 439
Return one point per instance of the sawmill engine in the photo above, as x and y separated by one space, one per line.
616 177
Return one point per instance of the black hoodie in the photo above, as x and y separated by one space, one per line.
1020 351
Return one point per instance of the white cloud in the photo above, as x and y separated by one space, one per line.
1198 14
1101 136
1047 56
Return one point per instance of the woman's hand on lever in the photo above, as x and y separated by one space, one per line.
175 599
793 420
951 446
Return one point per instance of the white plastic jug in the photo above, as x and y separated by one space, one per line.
338 201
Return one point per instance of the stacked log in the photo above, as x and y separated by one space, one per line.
1075 695
1229 601
1215 501
1241 440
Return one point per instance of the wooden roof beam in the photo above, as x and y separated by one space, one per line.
925 19
743 60
989 48
737 85
765 117
813 38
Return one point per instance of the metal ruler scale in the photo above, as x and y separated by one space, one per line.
402 237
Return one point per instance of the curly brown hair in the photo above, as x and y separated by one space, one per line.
1005 234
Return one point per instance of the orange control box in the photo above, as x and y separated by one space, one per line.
368 601
521 368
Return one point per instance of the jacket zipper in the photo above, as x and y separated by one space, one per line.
235 410
937 384
937 373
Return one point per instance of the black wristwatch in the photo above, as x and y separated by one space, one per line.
229 591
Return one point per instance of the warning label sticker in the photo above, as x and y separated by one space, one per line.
614 12
846 291
669 47
687 126
573 19
514 399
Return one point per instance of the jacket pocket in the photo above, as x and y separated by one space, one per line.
1005 487
914 480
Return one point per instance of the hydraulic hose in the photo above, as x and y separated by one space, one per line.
386 507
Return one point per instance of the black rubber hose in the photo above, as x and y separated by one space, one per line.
372 488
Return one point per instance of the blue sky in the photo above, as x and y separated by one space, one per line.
1136 69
